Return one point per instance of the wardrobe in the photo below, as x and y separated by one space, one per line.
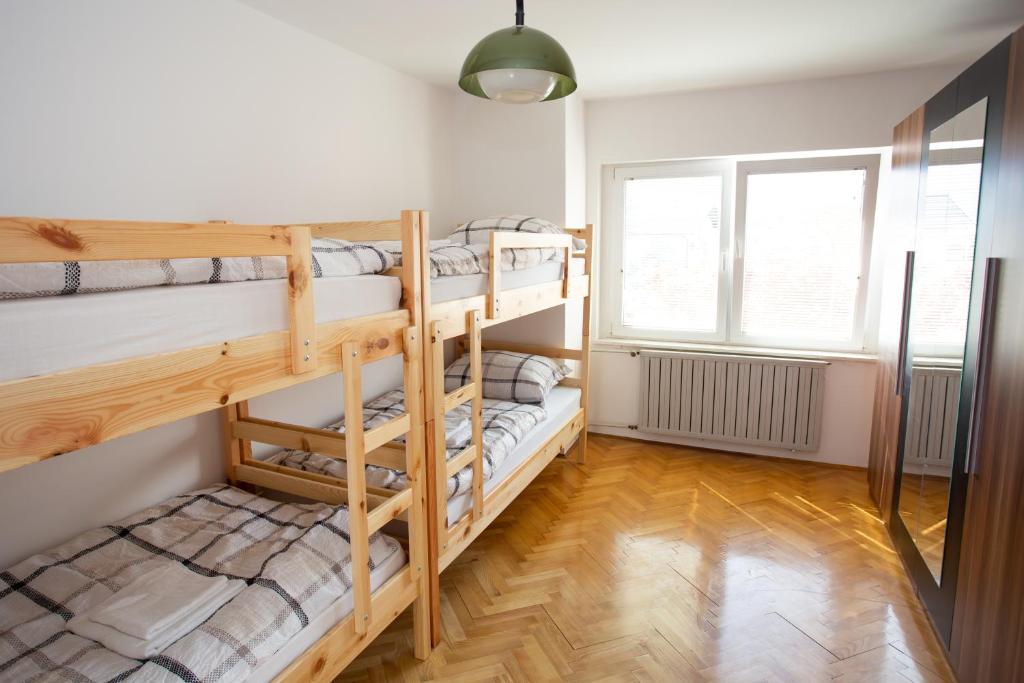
947 446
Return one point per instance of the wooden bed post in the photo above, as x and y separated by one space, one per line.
494 276
417 464
236 451
433 474
301 313
416 471
588 255
476 375
355 472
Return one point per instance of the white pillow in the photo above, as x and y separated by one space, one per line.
510 376
479 231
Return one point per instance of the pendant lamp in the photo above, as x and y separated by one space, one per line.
518 65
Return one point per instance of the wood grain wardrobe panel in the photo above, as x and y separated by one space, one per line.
988 622
898 236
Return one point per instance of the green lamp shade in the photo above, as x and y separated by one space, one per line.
518 65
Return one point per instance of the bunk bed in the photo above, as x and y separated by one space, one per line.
49 407
459 309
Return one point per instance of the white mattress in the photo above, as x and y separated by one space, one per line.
461 286
47 334
322 623
561 404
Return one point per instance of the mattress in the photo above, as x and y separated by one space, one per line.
453 287
561 404
323 623
44 335
294 559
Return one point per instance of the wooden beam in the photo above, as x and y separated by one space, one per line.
418 515
438 447
385 433
323 441
359 231
358 525
286 483
41 240
537 349
456 398
494 277
465 457
301 314
389 510
588 264
374 495
236 450
515 303
44 416
476 374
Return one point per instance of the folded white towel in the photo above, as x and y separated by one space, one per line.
163 611
458 431
158 598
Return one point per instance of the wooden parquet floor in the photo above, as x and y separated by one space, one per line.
662 563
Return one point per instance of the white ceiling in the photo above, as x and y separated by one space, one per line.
629 47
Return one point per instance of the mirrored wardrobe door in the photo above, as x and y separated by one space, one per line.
940 301
959 161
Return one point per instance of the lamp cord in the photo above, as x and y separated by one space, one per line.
520 14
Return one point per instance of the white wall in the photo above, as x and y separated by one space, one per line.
508 159
520 160
839 113
194 110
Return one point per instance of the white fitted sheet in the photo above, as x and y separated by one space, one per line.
323 623
453 287
561 404
48 334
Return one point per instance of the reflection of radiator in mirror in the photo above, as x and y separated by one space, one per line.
931 419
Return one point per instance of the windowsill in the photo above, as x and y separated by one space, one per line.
614 344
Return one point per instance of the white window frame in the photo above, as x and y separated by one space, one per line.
869 163
734 172
615 245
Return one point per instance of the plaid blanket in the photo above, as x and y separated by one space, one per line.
331 258
294 559
448 258
505 424
479 231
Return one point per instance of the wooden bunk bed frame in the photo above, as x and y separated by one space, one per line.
45 416
464 320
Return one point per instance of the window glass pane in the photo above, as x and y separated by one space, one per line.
801 260
671 246
942 269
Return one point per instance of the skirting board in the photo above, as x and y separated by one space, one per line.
727 447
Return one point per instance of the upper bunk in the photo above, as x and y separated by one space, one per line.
517 272
86 368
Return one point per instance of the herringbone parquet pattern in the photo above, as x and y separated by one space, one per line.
662 563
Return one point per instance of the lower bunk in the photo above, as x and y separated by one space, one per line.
75 612
520 440
552 436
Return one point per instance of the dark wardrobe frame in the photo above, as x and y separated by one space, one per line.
985 78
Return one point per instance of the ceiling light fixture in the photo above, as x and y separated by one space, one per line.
518 65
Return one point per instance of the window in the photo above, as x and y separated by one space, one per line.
789 271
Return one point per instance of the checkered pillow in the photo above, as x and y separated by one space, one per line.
510 376
479 231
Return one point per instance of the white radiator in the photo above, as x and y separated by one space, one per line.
746 399
932 417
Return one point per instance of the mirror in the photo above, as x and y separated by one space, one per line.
939 304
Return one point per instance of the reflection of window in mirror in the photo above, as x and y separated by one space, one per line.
946 236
